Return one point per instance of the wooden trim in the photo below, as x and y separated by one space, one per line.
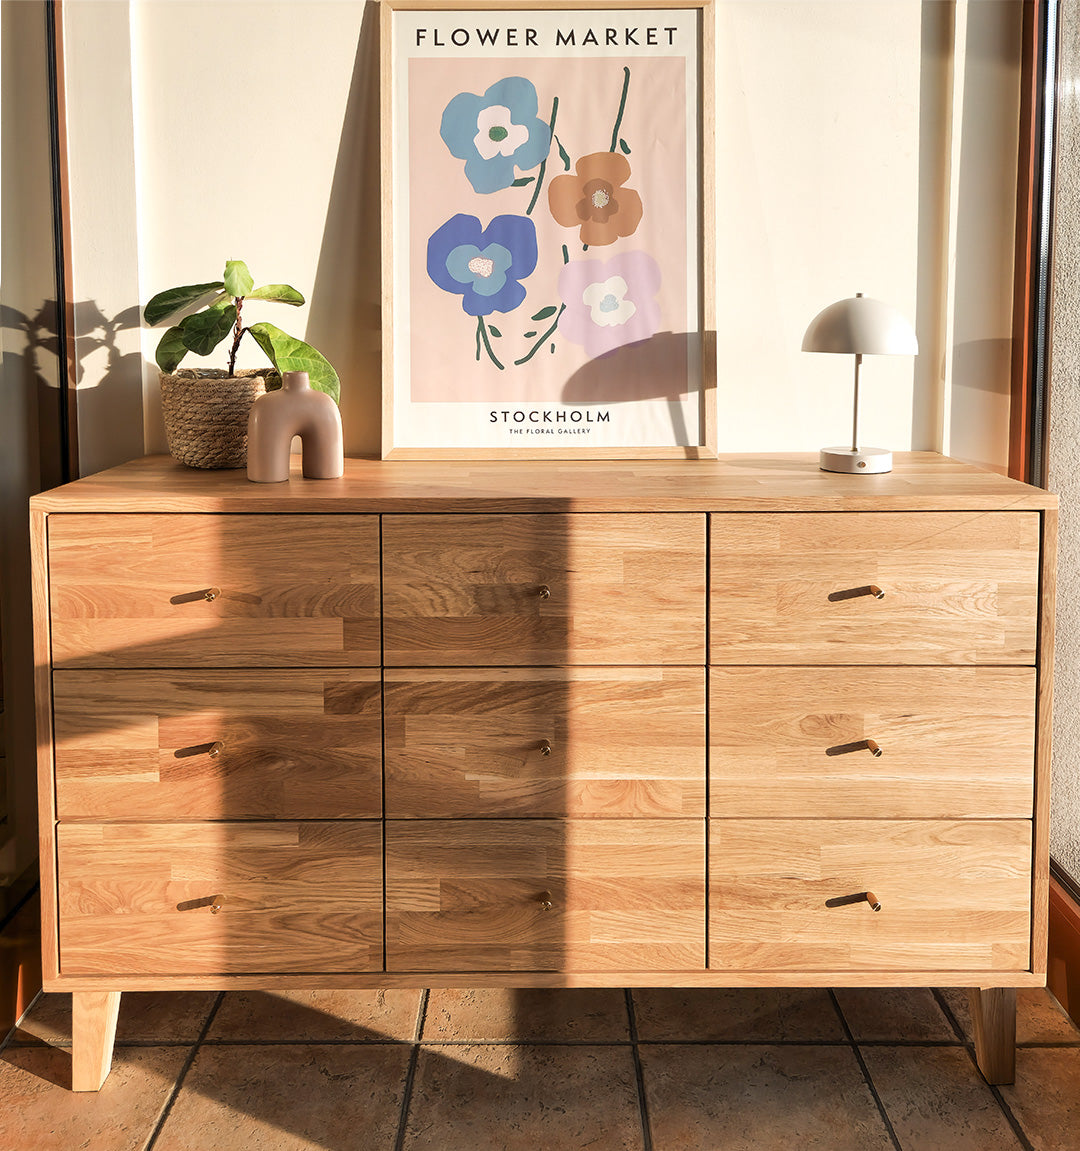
362 980
62 242
43 722
1044 701
1023 261
1063 968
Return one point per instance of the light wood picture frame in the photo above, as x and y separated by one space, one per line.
547 236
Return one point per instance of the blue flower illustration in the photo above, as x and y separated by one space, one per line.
483 265
496 133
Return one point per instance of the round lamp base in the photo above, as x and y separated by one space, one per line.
866 460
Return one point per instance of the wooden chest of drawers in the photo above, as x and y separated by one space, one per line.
734 722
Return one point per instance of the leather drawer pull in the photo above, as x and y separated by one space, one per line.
859 745
214 902
212 749
206 593
855 592
858 897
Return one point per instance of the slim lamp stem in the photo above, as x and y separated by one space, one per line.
855 417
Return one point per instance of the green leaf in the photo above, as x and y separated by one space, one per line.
521 181
238 281
563 155
624 145
545 312
164 304
494 331
170 350
202 332
528 335
288 354
278 294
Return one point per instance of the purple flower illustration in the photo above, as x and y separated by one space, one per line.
496 133
483 265
610 303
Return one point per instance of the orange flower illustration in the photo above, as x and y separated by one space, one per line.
595 200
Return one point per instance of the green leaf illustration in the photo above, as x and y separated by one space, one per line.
624 145
164 304
521 181
289 354
545 312
238 281
529 335
563 155
494 331
202 332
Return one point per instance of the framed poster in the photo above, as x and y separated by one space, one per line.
547 232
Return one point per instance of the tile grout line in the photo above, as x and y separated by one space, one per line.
167 1106
639 1071
410 1072
969 1047
865 1072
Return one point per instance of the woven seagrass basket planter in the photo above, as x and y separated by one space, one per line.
206 413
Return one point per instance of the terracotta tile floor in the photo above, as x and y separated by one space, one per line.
543 1071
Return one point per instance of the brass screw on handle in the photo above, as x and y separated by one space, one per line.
215 907
873 748
212 593
545 901
545 747
215 749
543 591
876 592
872 899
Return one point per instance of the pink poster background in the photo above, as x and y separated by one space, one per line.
444 366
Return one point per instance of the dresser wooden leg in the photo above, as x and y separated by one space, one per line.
993 1018
93 1029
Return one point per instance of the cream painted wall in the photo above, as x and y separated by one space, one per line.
843 165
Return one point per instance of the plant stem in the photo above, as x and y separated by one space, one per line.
543 163
536 347
622 108
482 329
238 331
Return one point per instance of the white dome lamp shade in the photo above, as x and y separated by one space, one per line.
859 326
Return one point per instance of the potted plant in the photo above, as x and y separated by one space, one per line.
206 409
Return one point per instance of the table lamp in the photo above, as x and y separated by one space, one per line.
859 326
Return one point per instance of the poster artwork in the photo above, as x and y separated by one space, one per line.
547 235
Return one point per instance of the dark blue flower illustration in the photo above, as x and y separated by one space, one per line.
496 133
483 265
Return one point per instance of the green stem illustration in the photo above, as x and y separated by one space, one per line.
543 163
622 108
481 334
540 340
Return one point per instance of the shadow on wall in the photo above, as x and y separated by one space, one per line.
345 319
109 382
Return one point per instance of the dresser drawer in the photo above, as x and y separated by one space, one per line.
614 742
788 895
293 897
958 588
951 742
200 744
214 591
469 895
480 590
